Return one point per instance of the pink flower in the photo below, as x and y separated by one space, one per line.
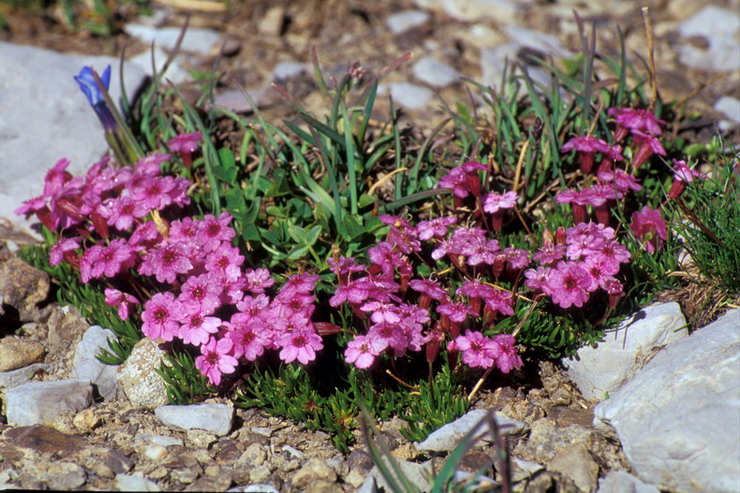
153 192
108 260
160 317
185 143
248 337
58 249
648 225
382 312
300 344
497 205
212 231
634 119
477 350
215 359
202 292
429 287
361 351
509 357
258 280
620 179
166 261
587 147
196 327
549 255
682 175
150 165
456 311
435 228
648 145
123 301
537 279
568 285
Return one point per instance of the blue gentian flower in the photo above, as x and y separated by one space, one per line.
87 83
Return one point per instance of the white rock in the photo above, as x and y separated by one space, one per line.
434 72
601 370
409 96
286 70
44 117
623 482
217 418
720 28
545 43
417 474
200 41
138 377
235 100
129 482
730 107
10 379
43 402
405 20
679 419
258 488
162 440
86 365
448 436
503 11
175 73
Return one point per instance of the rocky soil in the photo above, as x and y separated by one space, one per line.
114 444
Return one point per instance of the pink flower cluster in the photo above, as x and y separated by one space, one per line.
204 296
399 320
589 260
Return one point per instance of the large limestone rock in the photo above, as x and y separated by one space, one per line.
679 418
603 370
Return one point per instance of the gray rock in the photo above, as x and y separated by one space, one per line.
138 378
448 436
601 370
235 100
408 19
17 352
576 463
287 70
199 41
503 11
679 418
719 30
313 471
434 72
10 379
43 402
63 123
547 439
60 476
175 73
161 440
129 482
730 107
21 285
217 418
409 96
623 482
86 365
418 474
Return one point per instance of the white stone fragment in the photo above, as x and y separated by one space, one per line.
86 365
719 28
44 117
602 370
216 418
200 41
434 72
129 482
623 482
43 402
448 436
405 20
679 419
409 96
14 378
